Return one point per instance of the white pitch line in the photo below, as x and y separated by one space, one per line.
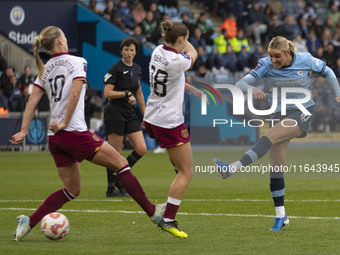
258 200
76 200
186 200
180 213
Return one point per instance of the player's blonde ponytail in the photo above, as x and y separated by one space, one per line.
291 46
46 39
38 62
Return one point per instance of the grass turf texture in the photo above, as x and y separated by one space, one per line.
220 216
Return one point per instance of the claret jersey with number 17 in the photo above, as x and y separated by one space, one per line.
59 73
164 107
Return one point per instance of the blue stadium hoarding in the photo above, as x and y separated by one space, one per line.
21 21
37 133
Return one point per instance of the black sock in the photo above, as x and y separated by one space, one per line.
110 180
117 183
133 158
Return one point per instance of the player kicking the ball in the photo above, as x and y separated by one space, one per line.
283 68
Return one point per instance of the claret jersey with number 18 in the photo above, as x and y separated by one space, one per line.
164 107
59 73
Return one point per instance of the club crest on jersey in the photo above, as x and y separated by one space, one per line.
300 72
95 137
185 133
85 67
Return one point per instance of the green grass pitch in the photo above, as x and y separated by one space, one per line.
231 216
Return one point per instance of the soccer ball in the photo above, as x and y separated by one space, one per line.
55 226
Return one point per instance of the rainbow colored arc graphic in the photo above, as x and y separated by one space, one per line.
205 87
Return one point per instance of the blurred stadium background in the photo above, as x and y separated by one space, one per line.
95 33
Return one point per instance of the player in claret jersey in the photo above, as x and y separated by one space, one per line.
63 78
164 117
283 69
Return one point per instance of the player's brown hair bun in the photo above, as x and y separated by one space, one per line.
167 25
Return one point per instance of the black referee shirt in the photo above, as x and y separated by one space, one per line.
123 78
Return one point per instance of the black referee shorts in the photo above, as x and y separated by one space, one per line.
119 121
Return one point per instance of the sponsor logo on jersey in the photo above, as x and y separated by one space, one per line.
125 72
85 67
300 72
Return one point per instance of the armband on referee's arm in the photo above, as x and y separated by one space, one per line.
128 93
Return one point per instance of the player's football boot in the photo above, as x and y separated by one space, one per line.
158 215
23 227
222 168
172 228
279 223
116 193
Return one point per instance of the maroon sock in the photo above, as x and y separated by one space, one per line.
51 204
170 211
135 190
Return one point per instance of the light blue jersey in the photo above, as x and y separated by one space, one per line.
295 75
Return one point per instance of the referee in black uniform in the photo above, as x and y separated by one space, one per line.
123 90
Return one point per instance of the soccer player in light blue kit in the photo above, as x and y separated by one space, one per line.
284 68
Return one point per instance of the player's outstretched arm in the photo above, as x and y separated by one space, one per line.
196 92
247 83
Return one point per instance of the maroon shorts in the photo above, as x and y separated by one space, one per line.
166 137
68 147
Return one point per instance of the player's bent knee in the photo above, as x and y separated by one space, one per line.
75 192
141 150
186 174
119 164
